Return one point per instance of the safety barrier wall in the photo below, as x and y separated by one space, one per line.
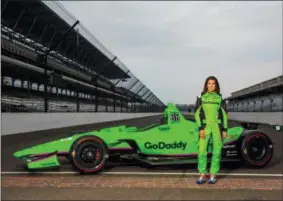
12 123
26 122
258 117
274 118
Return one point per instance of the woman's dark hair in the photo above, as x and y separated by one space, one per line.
217 87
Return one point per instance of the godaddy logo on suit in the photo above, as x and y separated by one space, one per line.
210 102
163 145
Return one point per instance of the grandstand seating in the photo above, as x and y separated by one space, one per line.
271 103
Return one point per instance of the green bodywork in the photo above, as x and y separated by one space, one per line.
178 136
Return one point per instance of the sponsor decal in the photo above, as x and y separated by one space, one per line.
229 146
163 145
163 128
48 164
210 102
231 153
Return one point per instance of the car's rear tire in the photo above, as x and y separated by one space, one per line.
256 149
89 154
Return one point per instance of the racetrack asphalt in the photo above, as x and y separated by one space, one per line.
126 187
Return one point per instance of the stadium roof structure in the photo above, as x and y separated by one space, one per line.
271 85
46 26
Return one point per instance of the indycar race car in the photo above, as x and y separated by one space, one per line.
173 141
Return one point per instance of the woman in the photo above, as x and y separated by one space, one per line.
211 118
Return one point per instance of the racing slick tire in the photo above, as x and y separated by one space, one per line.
88 154
256 149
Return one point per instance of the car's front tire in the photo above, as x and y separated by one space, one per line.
89 154
256 149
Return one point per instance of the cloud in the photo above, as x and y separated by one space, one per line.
173 46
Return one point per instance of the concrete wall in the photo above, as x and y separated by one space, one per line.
26 122
258 117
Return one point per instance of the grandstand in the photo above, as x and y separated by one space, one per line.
186 107
52 63
266 96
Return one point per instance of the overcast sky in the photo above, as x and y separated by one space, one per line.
173 46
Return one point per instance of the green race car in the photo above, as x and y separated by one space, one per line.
173 141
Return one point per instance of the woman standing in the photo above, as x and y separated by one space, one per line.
211 118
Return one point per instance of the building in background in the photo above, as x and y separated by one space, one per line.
52 63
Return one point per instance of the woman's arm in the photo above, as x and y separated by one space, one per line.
199 114
224 115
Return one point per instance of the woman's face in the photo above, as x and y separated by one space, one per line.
211 85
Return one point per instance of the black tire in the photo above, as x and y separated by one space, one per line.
257 149
89 154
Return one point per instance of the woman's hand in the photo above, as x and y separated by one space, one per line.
224 135
202 134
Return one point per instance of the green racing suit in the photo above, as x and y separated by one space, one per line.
211 116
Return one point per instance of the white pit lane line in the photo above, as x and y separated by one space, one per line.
142 173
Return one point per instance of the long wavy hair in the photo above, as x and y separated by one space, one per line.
217 86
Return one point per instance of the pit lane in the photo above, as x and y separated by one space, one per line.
12 143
